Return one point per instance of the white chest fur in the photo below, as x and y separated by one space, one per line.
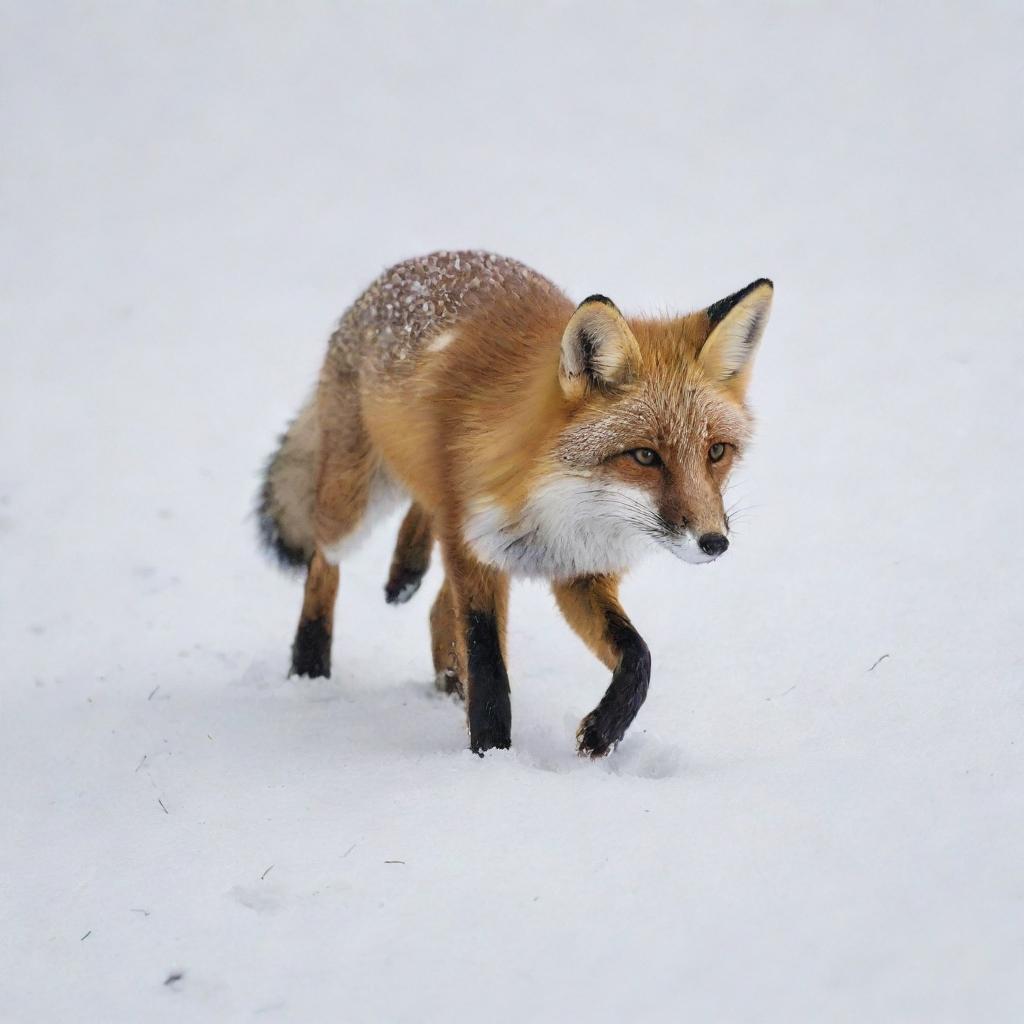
571 526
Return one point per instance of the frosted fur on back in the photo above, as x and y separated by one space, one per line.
409 307
416 300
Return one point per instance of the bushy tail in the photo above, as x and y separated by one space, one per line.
284 507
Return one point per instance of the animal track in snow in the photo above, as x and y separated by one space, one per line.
264 899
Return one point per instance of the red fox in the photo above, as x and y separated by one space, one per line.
534 437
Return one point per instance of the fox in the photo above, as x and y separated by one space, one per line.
528 436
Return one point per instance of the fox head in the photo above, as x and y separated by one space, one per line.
650 418
658 419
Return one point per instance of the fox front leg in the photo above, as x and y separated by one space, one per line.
480 604
591 606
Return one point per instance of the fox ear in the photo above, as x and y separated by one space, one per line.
737 323
597 347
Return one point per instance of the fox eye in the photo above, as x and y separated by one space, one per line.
716 452
646 456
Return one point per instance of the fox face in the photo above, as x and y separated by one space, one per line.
661 468
656 422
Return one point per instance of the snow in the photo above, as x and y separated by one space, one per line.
794 829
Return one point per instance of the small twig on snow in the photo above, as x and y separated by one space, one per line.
878 662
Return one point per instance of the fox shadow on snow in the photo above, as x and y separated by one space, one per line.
411 718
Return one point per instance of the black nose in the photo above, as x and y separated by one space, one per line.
712 544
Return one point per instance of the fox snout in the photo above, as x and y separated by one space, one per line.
713 544
697 548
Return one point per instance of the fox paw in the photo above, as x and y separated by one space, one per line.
311 651
490 727
495 736
401 585
449 682
592 739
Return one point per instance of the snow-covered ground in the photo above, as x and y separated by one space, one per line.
819 814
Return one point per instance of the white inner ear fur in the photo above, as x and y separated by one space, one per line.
733 342
597 340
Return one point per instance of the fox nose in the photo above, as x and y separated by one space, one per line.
712 544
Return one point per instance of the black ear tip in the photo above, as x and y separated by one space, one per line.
717 310
598 298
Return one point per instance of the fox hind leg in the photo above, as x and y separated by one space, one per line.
311 650
348 474
412 556
448 675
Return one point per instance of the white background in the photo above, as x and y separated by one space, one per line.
191 194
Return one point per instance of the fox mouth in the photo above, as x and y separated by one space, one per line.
687 548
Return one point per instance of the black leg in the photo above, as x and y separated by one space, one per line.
489 704
311 649
608 722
